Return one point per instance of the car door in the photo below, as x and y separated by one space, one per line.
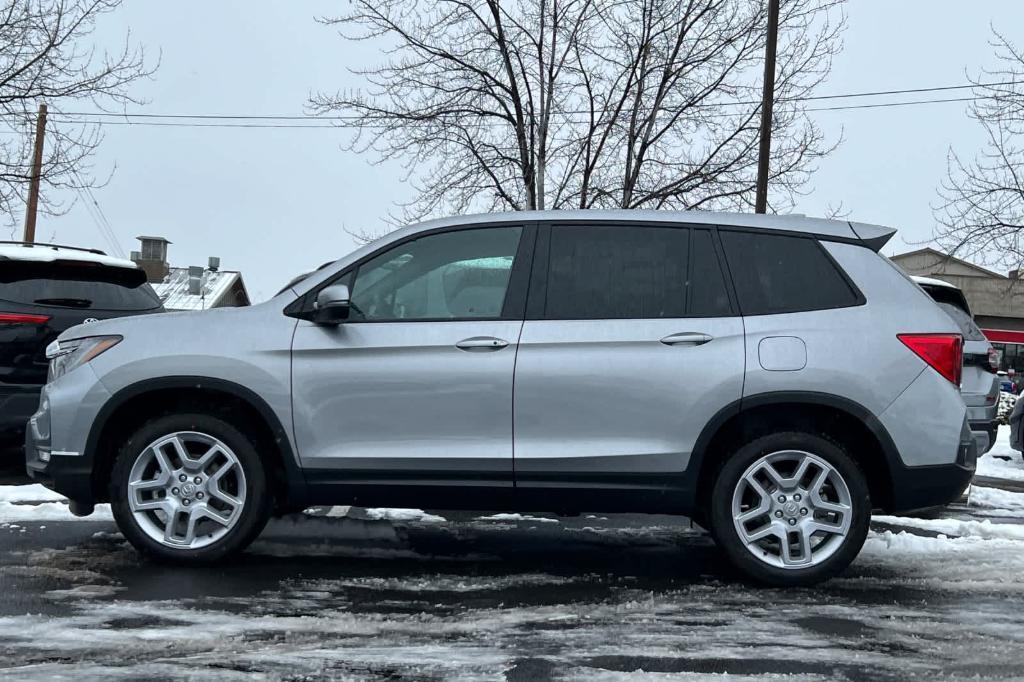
629 348
419 378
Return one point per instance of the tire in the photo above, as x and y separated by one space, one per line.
223 499
810 518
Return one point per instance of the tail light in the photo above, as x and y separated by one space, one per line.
20 318
993 359
943 352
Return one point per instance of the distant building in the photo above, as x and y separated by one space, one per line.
189 288
996 300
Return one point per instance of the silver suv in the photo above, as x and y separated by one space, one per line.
772 377
979 384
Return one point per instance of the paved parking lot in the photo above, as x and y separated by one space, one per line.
392 594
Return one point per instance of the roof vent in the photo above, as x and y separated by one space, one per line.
214 264
195 279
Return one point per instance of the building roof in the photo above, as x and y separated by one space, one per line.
945 257
215 286
50 253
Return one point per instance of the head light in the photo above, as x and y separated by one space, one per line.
65 356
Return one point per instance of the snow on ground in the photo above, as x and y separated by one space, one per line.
348 593
516 518
35 503
1002 461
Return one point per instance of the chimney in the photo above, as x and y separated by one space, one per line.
152 258
213 264
195 279
1014 274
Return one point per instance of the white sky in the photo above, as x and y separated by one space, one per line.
274 202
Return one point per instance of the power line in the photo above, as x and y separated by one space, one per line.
331 126
310 117
99 218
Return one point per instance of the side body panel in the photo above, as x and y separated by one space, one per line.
248 346
606 396
854 353
400 396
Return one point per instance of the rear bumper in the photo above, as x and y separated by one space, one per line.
935 485
17 403
984 433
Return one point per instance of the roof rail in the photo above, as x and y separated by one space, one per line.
56 246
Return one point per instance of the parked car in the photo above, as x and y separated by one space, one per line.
773 377
45 290
979 383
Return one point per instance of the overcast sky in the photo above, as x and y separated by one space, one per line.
274 202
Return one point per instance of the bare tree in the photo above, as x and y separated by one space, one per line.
44 57
524 104
981 210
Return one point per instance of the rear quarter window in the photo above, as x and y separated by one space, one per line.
79 286
775 273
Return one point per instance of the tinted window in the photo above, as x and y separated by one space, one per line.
614 272
76 286
708 294
445 276
778 274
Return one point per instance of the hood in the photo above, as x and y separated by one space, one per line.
168 325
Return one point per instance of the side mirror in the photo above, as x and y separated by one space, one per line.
332 305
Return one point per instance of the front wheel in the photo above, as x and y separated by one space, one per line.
189 488
790 509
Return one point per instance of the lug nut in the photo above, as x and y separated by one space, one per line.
187 502
792 522
183 478
797 497
200 496
782 498
778 514
174 491
198 480
803 511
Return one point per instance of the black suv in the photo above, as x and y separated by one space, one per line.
45 289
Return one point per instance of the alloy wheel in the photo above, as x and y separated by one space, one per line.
792 509
186 490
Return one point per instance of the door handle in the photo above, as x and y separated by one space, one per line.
687 339
481 343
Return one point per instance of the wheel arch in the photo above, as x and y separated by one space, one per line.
134 404
853 425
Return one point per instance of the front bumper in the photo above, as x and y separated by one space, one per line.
17 403
56 438
71 476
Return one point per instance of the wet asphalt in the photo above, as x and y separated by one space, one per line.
589 597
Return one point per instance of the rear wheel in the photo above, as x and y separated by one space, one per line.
189 488
790 509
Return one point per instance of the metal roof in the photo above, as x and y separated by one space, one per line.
215 284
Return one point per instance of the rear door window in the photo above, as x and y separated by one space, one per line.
776 273
79 286
616 272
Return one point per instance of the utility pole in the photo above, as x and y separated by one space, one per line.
767 101
37 171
